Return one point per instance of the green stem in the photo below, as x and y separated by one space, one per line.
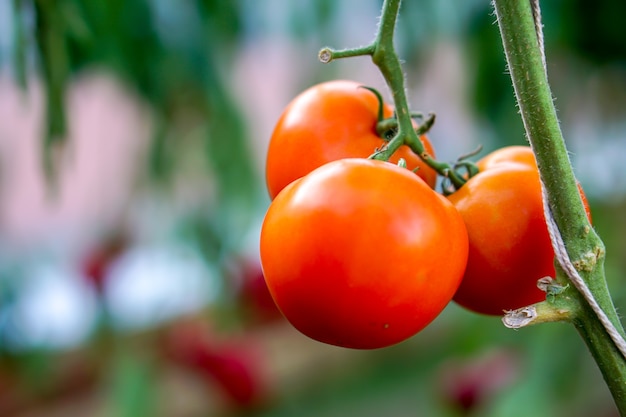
606 355
386 59
384 56
326 54
543 312
584 247
19 54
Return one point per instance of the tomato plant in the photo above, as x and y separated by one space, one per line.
330 121
362 253
509 246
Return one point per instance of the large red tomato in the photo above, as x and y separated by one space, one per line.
362 253
330 121
509 247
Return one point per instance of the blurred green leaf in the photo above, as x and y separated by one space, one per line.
592 30
222 18
133 391
76 25
54 62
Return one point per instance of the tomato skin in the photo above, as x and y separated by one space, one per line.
330 121
508 155
509 244
362 254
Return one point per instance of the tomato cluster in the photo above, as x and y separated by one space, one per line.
364 254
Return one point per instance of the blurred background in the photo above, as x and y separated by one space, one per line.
132 143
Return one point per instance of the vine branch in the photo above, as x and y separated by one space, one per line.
522 38
384 56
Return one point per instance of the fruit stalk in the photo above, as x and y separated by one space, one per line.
386 59
384 56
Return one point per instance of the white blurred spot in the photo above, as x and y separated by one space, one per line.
152 284
53 312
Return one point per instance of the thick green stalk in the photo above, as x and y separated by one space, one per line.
584 247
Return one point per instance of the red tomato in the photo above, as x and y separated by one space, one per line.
254 297
96 264
509 245
330 121
233 366
361 253
466 384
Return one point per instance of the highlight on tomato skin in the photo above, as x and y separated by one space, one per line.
362 254
329 121
509 244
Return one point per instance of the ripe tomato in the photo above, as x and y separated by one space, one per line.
361 253
330 121
509 245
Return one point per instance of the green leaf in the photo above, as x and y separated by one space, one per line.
132 386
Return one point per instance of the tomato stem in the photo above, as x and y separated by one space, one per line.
381 103
385 126
327 55
523 50
543 312
384 56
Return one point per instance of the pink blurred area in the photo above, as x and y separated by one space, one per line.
108 134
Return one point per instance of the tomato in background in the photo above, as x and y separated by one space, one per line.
96 263
330 121
362 253
252 293
509 247
467 384
233 367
